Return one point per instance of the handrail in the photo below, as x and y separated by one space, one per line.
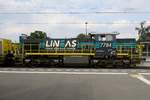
60 51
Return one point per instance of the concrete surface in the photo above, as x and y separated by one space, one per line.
62 86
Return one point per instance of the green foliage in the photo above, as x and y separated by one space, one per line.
143 32
38 35
83 37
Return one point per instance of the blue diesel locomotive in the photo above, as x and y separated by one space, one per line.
101 49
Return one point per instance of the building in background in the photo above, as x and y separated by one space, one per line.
146 50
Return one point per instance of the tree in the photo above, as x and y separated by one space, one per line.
38 35
83 37
143 32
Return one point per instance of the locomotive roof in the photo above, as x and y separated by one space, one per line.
51 38
125 39
104 33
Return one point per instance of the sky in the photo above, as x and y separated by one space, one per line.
66 18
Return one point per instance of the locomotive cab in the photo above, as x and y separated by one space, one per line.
105 45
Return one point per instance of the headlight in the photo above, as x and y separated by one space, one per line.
113 52
27 60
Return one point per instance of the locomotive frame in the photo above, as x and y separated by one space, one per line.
101 50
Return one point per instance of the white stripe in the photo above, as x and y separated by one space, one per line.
144 73
144 80
81 73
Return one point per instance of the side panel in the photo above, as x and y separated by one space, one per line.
105 48
126 43
86 45
60 44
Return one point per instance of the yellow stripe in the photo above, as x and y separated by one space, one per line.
122 54
65 54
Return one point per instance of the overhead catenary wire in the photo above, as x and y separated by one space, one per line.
101 23
74 12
